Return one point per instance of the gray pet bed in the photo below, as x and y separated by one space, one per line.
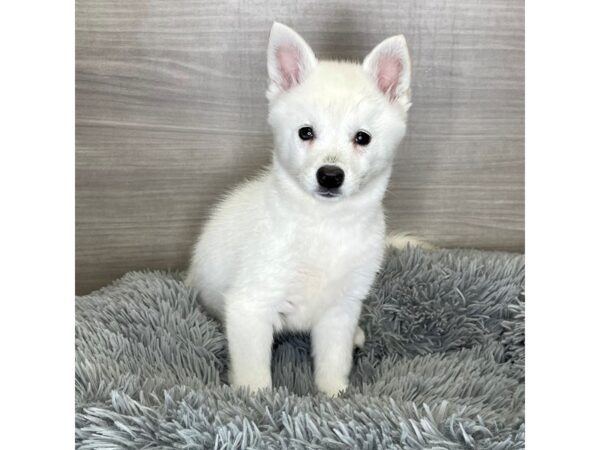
442 366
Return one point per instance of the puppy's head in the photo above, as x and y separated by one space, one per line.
336 124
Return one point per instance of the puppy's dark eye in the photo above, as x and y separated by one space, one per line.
362 138
306 133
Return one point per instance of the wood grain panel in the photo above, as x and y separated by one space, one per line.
171 113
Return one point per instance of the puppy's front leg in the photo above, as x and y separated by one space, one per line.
332 345
250 338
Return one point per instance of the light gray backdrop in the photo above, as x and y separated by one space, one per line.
171 113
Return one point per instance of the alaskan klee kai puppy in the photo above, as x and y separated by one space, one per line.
298 248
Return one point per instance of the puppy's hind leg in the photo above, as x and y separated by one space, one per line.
359 338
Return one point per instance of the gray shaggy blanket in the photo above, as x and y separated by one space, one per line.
442 366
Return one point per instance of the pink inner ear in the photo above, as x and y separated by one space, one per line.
288 58
389 69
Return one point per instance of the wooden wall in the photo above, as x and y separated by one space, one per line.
171 112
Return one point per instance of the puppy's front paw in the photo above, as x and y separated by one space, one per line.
332 387
253 382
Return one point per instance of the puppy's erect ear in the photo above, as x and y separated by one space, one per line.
289 59
388 64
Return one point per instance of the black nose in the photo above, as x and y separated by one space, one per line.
330 176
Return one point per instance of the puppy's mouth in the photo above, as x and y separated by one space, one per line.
328 193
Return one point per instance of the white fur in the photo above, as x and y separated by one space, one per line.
276 255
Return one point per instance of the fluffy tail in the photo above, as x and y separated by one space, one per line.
404 240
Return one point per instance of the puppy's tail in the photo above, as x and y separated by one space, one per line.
404 240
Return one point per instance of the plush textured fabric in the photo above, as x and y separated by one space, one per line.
442 366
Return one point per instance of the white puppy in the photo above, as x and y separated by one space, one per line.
298 248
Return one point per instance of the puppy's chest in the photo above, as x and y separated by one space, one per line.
321 273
